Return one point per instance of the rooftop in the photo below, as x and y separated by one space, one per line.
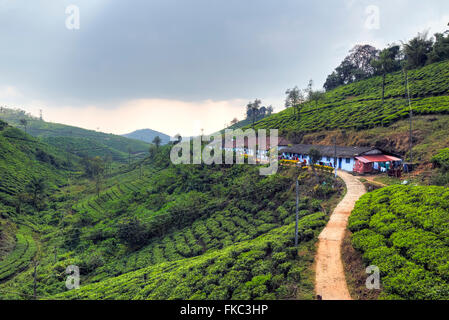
329 151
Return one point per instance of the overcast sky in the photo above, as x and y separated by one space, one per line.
179 66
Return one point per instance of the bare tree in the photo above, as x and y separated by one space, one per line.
294 99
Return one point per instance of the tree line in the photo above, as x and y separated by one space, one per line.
365 61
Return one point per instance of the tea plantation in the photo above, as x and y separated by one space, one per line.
359 105
404 230
156 216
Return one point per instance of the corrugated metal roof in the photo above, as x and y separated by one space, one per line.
377 158
329 151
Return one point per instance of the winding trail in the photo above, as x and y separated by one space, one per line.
330 281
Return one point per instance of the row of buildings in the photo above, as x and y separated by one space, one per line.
352 159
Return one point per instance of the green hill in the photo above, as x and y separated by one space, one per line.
75 140
163 216
359 105
23 157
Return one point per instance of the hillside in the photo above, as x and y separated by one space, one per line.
30 172
22 158
403 230
73 139
148 135
203 218
359 105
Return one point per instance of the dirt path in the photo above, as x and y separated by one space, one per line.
330 281
371 179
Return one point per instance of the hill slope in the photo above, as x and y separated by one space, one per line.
359 105
147 135
229 219
23 157
71 138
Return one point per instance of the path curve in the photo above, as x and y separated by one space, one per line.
330 281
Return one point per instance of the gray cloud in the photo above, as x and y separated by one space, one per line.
188 50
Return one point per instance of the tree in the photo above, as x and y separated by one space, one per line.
312 95
386 62
440 50
24 123
355 67
36 188
157 142
314 156
132 232
152 151
269 110
20 199
252 110
294 99
360 58
333 81
234 121
416 51
97 167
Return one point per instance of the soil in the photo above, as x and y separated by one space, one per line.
330 280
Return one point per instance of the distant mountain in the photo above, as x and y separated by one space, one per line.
147 135
73 139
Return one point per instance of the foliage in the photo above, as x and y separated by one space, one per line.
263 268
359 105
20 257
441 159
403 231
166 215
355 67
77 140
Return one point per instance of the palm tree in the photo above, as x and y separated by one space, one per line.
20 199
386 63
157 141
416 50
36 188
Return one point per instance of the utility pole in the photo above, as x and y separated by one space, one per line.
335 155
411 116
297 212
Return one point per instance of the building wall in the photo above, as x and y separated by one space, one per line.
348 166
344 166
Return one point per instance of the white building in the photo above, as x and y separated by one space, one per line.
344 157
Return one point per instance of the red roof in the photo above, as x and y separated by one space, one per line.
377 158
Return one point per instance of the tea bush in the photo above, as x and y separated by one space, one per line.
404 231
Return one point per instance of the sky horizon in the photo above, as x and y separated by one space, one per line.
181 66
